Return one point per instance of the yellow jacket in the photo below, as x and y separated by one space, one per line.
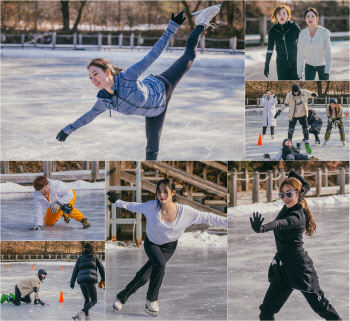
290 101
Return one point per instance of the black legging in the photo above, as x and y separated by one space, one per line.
152 271
304 124
18 297
90 296
170 78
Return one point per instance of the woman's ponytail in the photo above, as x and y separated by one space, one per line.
310 227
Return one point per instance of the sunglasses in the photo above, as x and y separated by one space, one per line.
288 194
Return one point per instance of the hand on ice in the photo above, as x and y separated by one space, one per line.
277 114
55 207
67 208
267 70
112 197
256 222
179 18
38 227
102 284
39 302
267 156
62 136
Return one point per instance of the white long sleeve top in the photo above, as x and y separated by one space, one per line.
314 51
59 191
160 231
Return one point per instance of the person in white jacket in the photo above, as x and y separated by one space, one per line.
52 200
166 222
269 102
314 48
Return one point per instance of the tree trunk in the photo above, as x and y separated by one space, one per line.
65 15
77 21
188 12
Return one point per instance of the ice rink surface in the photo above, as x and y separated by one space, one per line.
57 280
17 216
194 286
53 89
334 150
250 255
255 62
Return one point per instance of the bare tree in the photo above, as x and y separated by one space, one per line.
65 16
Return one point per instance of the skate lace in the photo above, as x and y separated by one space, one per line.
213 25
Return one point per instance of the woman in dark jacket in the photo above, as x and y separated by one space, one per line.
315 125
284 33
85 271
291 267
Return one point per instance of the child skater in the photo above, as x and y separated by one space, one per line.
166 221
335 116
292 268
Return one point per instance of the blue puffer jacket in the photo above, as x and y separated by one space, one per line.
85 270
132 96
315 122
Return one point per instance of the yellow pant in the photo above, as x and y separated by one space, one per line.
51 218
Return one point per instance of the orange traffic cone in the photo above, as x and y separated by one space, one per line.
8 266
32 267
347 114
61 298
260 141
61 267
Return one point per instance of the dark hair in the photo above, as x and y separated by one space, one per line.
277 10
267 90
312 10
337 107
40 182
104 64
168 183
88 249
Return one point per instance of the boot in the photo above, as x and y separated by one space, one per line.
152 308
308 148
117 304
3 298
66 218
203 17
85 223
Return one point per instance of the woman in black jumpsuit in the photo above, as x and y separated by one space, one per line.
291 267
284 33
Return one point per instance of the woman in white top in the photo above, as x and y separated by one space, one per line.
314 48
269 102
166 222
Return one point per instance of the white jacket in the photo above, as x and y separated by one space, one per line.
269 110
314 51
26 285
59 191
290 102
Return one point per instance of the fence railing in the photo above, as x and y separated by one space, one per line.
106 42
44 257
274 178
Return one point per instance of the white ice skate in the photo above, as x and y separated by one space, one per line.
272 136
344 142
117 304
152 308
325 142
204 16
80 316
263 136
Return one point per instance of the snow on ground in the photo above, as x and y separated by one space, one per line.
57 280
52 90
255 62
17 216
194 285
253 127
250 254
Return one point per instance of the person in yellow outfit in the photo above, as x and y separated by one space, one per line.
52 200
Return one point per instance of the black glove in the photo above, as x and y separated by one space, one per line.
62 136
38 227
67 208
179 19
72 285
267 156
266 70
112 197
256 222
39 302
314 95
336 123
277 114
35 289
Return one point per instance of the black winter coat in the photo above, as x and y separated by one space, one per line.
315 122
85 270
286 39
288 227
286 150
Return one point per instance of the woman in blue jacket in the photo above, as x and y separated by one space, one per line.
85 272
120 90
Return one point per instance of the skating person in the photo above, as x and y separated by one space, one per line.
269 102
120 90
25 287
335 116
284 33
52 200
288 152
291 267
166 222
315 125
85 272
298 111
314 48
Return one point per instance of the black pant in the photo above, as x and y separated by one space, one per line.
310 72
18 297
170 78
287 69
277 295
152 271
272 128
297 157
304 124
315 132
90 296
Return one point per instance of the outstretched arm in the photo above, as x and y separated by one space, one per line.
208 218
130 206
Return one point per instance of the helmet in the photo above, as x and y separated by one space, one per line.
40 272
333 101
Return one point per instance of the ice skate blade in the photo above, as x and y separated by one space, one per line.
151 313
198 12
